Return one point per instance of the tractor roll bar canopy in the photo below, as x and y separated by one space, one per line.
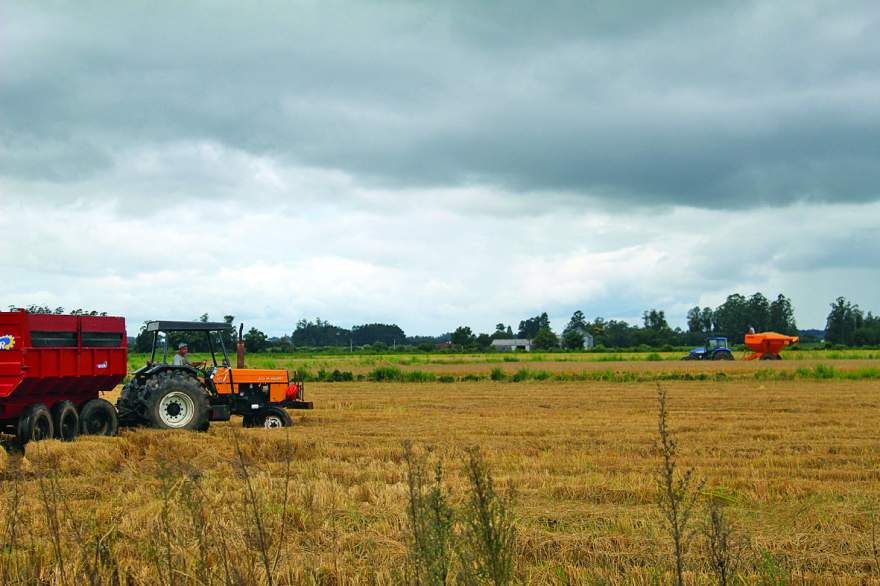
188 326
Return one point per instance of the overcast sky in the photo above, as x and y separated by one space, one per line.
438 163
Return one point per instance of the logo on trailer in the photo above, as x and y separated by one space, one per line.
7 342
101 365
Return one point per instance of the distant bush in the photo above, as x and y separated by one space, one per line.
653 357
497 374
338 376
385 373
419 376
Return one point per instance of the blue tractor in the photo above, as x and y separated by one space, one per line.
715 349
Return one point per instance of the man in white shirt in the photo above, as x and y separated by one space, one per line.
180 358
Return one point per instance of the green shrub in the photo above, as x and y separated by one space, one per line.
385 373
653 357
419 376
497 374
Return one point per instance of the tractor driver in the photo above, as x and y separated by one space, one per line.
180 358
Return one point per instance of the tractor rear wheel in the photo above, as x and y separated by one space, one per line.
178 401
34 424
65 418
722 355
98 417
130 404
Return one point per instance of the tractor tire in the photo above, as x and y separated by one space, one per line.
272 417
34 424
687 357
65 418
130 405
722 355
98 417
178 401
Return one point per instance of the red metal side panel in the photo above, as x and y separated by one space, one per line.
45 322
103 324
12 345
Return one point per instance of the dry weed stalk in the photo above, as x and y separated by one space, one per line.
488 551
723 547
257 516
678 492
430 522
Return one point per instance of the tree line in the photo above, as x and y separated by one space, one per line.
847 324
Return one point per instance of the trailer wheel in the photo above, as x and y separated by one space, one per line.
178 401
34 424
66 420
273 417
98 417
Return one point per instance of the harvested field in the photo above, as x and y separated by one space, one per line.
796 462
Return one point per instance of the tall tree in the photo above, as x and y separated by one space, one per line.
463 336
695 319
707 318
655 320
732 317
255 340
529 328
574 333
782 316
545 339
502 332
843 321
759 312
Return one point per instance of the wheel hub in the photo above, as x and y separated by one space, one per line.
272 421
176 409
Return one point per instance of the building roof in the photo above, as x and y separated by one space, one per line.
514 342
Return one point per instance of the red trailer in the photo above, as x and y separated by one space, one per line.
52 369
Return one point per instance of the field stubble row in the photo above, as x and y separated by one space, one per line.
798 462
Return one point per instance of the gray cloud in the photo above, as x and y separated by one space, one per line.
417 162
717 106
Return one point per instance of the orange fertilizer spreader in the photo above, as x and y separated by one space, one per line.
767 345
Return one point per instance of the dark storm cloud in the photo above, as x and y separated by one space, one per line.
720 105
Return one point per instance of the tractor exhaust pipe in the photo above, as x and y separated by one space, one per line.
239 348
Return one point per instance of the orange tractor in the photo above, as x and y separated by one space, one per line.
184 395
768 345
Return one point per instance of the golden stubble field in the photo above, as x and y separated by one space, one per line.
798 463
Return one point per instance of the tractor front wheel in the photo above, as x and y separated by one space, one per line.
269 418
